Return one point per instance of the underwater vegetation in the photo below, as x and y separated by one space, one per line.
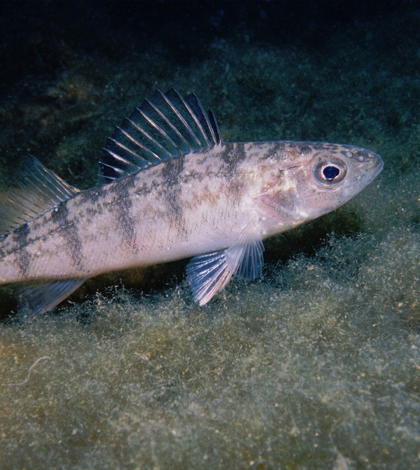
314 366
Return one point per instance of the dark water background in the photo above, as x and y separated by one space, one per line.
315 366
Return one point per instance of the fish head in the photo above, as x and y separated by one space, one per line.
313 179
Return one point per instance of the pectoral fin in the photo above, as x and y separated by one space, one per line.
35 300
211 272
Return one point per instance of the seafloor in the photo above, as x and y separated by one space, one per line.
316 365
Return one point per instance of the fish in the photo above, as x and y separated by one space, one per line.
171 188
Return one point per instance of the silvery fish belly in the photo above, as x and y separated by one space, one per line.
172 189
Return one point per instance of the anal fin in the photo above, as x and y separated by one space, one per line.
38 299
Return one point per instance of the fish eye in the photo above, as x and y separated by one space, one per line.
330 172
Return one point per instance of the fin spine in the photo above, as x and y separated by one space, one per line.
162 128
170 125
123 147
180 117
158 128
134 141
154 141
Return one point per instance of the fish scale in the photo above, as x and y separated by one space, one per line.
173 189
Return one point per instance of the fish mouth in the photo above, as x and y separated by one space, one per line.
377 167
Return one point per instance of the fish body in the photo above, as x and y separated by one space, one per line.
173 190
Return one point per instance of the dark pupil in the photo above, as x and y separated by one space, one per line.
330 172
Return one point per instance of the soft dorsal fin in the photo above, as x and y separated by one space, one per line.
162 128
37 190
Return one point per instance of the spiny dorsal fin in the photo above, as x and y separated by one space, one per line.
37 190
162 128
